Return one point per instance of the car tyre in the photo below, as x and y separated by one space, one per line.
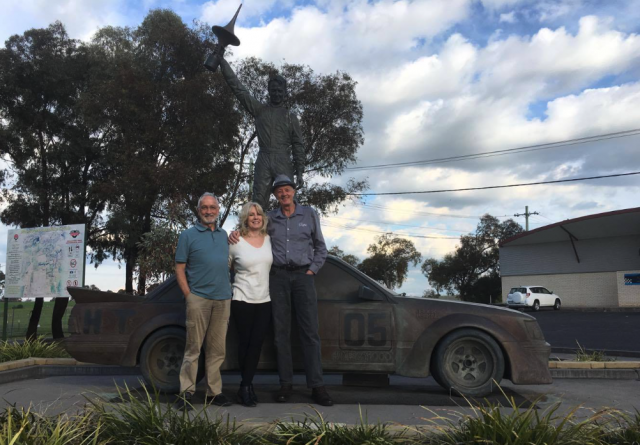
536 306
161 358
469 362
557 304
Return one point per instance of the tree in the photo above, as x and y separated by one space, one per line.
390 259
347 258
331 121
473 270
54 154
174 128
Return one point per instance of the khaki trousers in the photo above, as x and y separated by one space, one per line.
207 321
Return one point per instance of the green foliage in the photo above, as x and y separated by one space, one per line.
390 259
491 424
582 355
54 153
11 350
473 270
316 430
139 417
347 258
157 253
19 427
145 419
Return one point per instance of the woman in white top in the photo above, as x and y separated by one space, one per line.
251 260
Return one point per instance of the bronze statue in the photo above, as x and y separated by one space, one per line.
279 134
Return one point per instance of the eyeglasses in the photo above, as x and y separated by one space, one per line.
205 208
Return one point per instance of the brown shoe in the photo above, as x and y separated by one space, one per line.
284 393
321 396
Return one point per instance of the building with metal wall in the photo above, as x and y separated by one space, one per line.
592 261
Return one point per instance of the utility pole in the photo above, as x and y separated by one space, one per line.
526 215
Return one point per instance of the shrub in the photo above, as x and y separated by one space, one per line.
12 350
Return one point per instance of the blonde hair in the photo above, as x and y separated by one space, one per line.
244 216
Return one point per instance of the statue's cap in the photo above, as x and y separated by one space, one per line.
282 180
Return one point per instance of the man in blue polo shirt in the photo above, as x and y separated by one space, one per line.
202 271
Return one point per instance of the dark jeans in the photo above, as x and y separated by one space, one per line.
296 290
252 322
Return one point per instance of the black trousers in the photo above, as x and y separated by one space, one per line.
295 290
252 321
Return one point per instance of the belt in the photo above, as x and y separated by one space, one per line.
291 267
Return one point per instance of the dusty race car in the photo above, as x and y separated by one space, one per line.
364 327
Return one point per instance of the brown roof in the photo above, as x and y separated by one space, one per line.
600 225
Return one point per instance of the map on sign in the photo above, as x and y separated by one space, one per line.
44 261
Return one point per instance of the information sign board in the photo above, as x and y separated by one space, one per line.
44 261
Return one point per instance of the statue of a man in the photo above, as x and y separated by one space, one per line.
279 134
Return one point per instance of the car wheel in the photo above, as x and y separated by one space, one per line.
557 304
468 362
161 359
536 306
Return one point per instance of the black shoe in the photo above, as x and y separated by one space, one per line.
244 397
284 393
254 397
183 402
220 400
321 396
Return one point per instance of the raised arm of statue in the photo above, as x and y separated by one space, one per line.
297 148
251 104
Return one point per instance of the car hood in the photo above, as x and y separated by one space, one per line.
463 307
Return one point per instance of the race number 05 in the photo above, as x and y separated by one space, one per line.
376 334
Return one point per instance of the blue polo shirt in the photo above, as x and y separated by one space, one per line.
206 253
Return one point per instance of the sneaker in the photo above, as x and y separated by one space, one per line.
244 397
284 393
220 400
183 402
321 396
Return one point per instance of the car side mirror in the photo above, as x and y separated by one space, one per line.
366 293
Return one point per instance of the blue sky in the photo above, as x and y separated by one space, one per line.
437 78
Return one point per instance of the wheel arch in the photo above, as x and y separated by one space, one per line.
505 355
141 334
419 361
140 346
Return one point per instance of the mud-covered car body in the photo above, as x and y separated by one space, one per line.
364 328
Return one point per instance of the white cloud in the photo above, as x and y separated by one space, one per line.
509 17
361 35
80 17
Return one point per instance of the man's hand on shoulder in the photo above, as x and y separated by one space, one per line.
234 237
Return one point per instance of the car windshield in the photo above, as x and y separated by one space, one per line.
522 290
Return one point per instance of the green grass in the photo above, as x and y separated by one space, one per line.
20 312
12 350
582 355
140 418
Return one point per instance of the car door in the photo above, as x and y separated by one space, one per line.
548 297
356 324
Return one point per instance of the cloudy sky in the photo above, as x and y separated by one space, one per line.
438 78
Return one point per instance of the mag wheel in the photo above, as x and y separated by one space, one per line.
468 362
161 359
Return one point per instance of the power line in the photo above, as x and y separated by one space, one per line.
340 226
491 154
395 224
417 212
489 187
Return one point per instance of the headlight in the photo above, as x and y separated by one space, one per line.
533 329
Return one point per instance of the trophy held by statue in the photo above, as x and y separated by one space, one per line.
225 37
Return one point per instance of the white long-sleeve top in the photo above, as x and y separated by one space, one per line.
252 266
